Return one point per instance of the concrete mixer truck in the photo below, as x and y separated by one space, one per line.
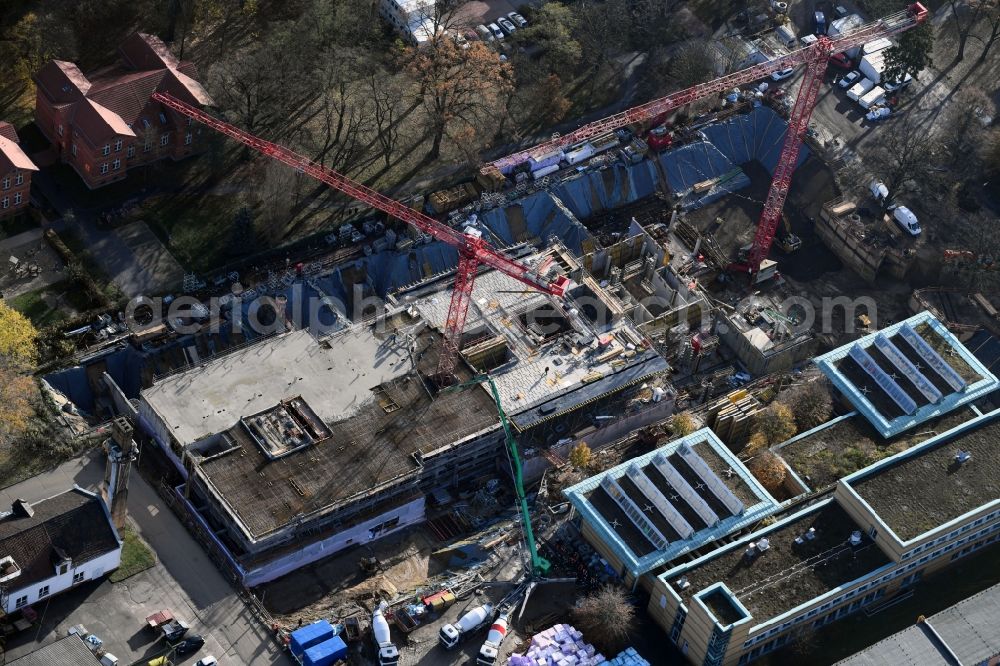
453 634
388 655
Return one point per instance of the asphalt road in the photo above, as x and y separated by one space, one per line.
184 580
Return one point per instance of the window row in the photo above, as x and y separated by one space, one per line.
18 180
6 203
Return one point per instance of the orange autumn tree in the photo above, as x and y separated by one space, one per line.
458 86
17 360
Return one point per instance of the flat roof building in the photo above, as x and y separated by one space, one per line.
297 446
884 528
669 502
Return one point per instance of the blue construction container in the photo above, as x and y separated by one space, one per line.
325 653
312 634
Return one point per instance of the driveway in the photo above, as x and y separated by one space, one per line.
183 580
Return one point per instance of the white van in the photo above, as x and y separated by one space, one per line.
860 89
874 96
905 218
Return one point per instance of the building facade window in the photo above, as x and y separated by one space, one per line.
21 602
43 591
147 147
5 202
187 139
116 165
6 182
79 577
118 145
104 168
106 150
19 179
164 139
130 152
72 149
163 119
17 199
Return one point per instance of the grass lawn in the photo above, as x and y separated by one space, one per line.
33 305
196 229
136 556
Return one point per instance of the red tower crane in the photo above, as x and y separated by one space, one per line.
814 57
472 251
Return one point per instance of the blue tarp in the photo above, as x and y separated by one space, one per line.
757 135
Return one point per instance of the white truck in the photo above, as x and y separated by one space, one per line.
453 634
860 89
874 96
490 650
388 654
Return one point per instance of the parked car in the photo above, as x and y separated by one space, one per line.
808 40
841 61
893 86
878 113
207 661
507 26
820 23
190 644
485 33
518 20
472 35
782 74
495 29
850 79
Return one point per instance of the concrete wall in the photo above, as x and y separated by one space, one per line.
407 514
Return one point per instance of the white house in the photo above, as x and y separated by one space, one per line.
413 19
53 545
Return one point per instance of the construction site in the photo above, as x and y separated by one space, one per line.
551 379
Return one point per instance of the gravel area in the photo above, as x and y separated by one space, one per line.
927 490
852 444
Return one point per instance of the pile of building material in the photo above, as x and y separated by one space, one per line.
559 645
731 416
629 657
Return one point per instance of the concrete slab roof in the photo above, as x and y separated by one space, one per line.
334 376
966 633
878 405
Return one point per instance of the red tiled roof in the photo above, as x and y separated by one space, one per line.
116 97
11 155
129 94
7 131
143 51
98 123
62 81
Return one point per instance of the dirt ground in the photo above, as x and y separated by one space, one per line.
320 590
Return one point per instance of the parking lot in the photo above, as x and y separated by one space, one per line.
484 12
183 580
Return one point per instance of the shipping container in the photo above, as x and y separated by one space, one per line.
312 634
326 653
580 154
860 89
872 97
544 171
872 66
545 159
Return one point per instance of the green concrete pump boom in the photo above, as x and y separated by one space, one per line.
539 565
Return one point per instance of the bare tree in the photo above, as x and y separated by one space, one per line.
811 404
968 16
902 151
385 95
606 617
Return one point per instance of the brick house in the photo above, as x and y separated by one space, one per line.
104 123
15 173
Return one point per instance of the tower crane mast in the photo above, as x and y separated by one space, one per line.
472 251
814 57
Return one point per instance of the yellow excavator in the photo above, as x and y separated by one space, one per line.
788 242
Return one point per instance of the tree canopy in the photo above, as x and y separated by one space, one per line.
910 55
17 338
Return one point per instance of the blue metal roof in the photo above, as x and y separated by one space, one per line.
889 427
638 565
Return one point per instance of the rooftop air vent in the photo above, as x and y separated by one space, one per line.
683 583
855 539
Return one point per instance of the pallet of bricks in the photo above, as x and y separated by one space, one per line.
731 416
